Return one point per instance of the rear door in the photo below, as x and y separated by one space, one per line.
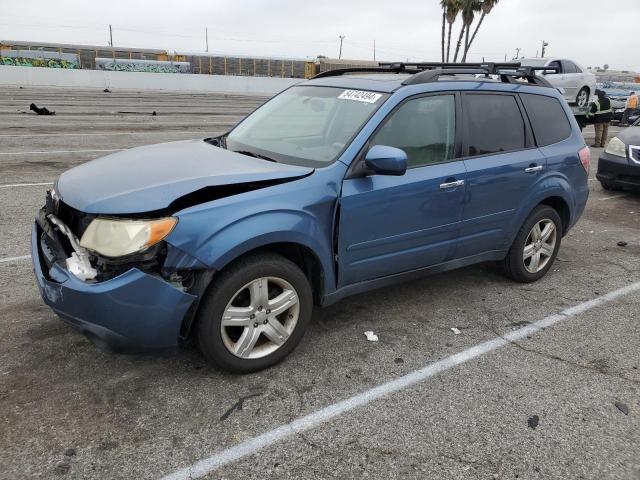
394 224
502 165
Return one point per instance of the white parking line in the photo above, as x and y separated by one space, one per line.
95 134
253 445
612 197
25 184
54 152
15 259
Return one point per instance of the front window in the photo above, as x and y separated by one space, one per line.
306 125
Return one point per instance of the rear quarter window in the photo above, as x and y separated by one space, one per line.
548 118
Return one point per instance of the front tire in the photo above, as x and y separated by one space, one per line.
254 313
536 246
582 99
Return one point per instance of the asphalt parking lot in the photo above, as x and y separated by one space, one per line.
531 388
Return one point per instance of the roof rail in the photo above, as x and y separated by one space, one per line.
390 68
424 72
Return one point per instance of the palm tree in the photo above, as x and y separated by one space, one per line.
451 8
469 8
486 8
443 4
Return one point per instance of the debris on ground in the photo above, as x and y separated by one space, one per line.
399 360
153 114
41 111
106 90
372 337
69 452
533 421
455 331
622 407
517 325
622 243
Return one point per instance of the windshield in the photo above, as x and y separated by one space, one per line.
308 126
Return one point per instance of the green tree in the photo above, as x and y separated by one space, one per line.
485 7
450 10
469 9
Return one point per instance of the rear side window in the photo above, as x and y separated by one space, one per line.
494 124
548 118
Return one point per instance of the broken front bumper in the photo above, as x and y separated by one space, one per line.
134 311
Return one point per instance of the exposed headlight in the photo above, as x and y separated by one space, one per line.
616 147
116 238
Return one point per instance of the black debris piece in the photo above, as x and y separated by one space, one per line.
106 90
154 113
622 243
41 111
399 360
70 452
622 407
533 421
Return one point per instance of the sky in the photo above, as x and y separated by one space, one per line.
404 29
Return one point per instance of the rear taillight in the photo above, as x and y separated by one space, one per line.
585 158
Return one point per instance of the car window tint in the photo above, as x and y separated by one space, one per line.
494 124
555 63
569 67
424 128
548 118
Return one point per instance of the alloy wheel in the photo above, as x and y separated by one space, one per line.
539 246
583 98
260 317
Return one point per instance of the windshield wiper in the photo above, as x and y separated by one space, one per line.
255 155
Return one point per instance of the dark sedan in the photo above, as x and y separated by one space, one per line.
619 164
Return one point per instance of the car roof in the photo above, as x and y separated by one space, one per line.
389 83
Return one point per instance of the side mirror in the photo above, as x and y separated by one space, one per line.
383 160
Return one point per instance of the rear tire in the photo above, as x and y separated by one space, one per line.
535 248
254 313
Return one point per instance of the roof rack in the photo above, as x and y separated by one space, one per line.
431 72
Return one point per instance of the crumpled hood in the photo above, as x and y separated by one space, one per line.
150 178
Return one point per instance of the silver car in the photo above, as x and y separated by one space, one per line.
578 84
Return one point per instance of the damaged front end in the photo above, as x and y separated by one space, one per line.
141 301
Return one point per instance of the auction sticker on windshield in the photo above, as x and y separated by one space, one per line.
360 96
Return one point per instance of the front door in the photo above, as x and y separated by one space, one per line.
393 224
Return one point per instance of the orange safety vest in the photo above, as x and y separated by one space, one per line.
632 102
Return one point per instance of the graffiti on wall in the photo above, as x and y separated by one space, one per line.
38 58
150 66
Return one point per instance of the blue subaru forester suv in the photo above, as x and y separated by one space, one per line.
351 181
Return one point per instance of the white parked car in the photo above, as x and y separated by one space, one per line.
578 84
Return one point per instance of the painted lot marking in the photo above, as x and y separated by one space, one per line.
11 185
94 134
15 259
614 196
55 152
315 419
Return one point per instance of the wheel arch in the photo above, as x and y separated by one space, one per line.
561 206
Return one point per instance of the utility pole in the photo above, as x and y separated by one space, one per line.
342 37
518 53
374 50
206 37
544 48
110 36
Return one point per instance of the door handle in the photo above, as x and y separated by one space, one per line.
534 169
446 185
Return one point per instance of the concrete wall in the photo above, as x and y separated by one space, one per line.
54 77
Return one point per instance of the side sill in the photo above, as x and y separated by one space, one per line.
389 280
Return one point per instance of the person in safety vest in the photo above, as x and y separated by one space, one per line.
600 114
630 107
